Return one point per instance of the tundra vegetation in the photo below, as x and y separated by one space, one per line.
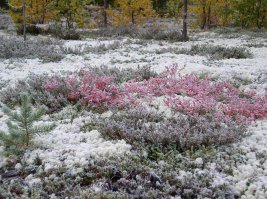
111 99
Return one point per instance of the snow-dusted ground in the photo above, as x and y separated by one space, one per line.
67 145
251 177
129 53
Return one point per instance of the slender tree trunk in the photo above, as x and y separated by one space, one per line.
133 22
185 20
105 13
203 25
258 7
24 19
209 16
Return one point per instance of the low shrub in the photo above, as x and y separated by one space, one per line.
211 52
14 47
21 128
133 176
89 88
126 31
159 34
31 29
59 31
192 95
185 132
220 52
188 94
58 98
33 85
147 33
125 74
69 35
82 50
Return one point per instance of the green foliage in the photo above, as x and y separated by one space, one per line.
72 11
250 13
3 4
160 6
21 128
174 8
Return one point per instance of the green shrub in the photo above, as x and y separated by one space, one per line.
31 29
21 128
210 51
147 33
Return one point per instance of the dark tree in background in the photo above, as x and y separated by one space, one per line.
185 20
160 6
3 4
24 18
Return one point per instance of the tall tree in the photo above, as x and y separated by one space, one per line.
105 13
24 18
160 7
131 11
174 8
72 11
3 4
185 20
250 13
31 12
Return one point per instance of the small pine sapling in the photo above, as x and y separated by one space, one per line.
21 128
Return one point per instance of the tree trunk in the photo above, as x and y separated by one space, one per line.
24 19
133 22
105 13
203 25
209 18
185 20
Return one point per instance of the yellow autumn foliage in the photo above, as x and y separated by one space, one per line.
131 12
209 12
37 11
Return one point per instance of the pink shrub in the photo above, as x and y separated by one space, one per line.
98 91
188 94
53 85
192 95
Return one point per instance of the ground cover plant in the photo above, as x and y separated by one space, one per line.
188 94
21 128
133 31
45 49
128 131
212 52
37 86
203 112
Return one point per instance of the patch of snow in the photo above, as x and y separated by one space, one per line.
251 177
107 114
31 181
133 54
67 146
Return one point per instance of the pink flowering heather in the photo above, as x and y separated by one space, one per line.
188 94
52 85
98 91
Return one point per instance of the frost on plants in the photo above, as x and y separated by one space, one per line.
21 128
185 131
89 88
204 111
33 85
45 49
192 95
189 95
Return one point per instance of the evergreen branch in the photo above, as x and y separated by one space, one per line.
42 129
36 116
20 126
